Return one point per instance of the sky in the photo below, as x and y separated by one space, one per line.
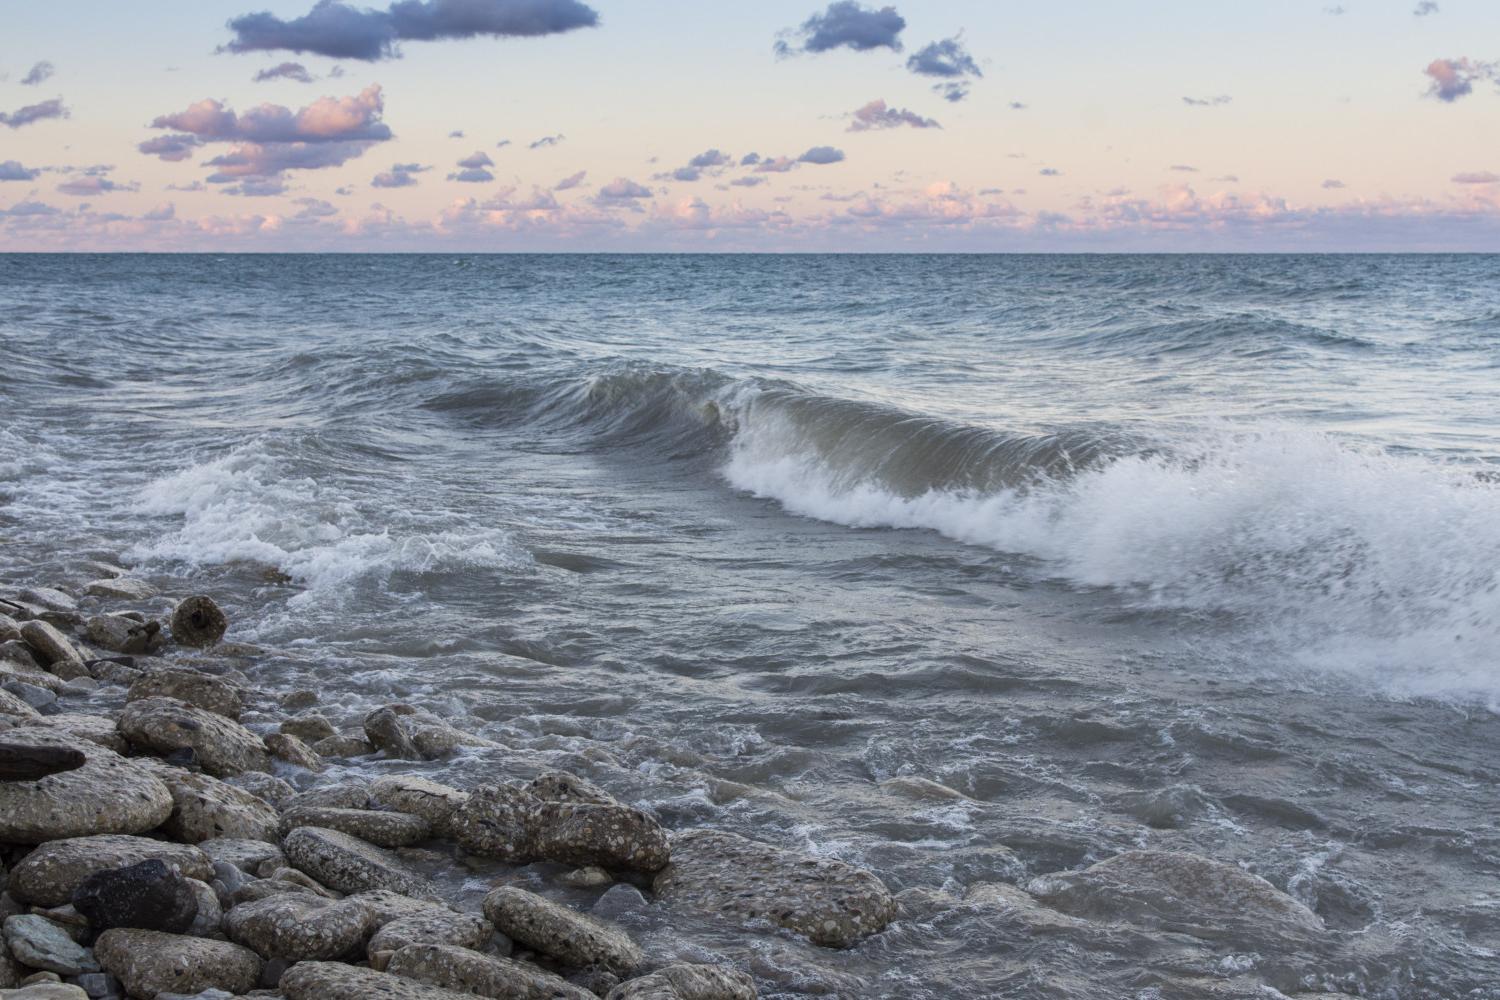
775 126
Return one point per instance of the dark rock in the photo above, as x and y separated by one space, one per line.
198 621
147 895
48 875
20 762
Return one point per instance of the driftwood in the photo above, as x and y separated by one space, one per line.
28 763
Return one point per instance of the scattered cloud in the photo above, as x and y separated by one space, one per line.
171 148
878 115
1484 177
1208 102
472 169
1183 168
1338 10
39 73
845 24
400 175
34 113
457 133
1050 172
822 156
1333 184
1454 78
313 208
753 180
502 144
1425 7
342 31
1227 179
623 189
749 159
948 60
11 170
284 71
571 181
547 140
93 183
775 165
477 159
1017 106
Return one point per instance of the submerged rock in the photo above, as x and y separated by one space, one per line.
383 829
309 728
333 981
151 963
49 875
556 931
831 902
299 926
343 746
515 825
146 895
469 972
410 734
108 794
191 687
221 746
349 864
198 621
687 982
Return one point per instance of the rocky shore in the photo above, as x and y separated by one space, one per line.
156 846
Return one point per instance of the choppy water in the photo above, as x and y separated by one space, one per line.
1187 552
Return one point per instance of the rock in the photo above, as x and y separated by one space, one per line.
688 982
48 875
563 786
293 751
619 902
431 801
204 808
16 707
1183 893
108 794
514 825
343 746
38 943
296 701
119 634
121 588
35 695
596 980
45 991
10 629
437 925
150 962
332 981
383 829
833 903
24 762
50 644
571 938
309 728
349 864
190 687
210 917
246 854
266 787
1019 905
49 598
469 972
197 621
222 746
590 877
353 794
96 729
299 926
404 732
147 895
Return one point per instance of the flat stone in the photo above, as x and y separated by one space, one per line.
349 864
48 875
150 963
120 634
309 728
299 926
512 824
383 829
49 598
108 794
97 729
38 943
222 746
569 937
50 644
388 906
333 981
293 751
46 991
470 972
688 982
433 802
405 732
35 695
205 808
147 895
436 925
122 588
719 873
191 687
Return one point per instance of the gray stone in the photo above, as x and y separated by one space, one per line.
429 800
108 794
147 895
293 751
353 794
436 925
246 854
383 829
49 598
405 732
48 875
469 972
46 991
208 922
119 634
571 938
266 787
688 982
10 629
50 644
589 877
514 825
222 746
150 963
349 864
619 902
205 808
38 943
563 786
388 906
97 729
343 746
198 621
121 588
309 728
15 707
299 926
831 902
32 694
332 981
191 687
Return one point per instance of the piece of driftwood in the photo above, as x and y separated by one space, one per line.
19 762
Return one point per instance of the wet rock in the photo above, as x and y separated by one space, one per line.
563 786
10 629
49 598
688 982
405 732
619 902
332 981
349 864
437 925
48 875
222 747
568 937
246 854
119 634
191 687
590 877
205 808
147 895
343 746
122 588
198 621
512 824
469 972
596 980
49 644
108 794
293 751
429 800
150 962
1181 892
383 829
299 926
266 787
15 707
1020 906
831 902
38 943
296 701
309 728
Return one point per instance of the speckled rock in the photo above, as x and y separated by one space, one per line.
470 972
299 926
49 643
119 634
16 707
349 864
512 824
210 918
223 746
1180 892
718 873
587 877
419 797
343 746
97 729
108 794
293 751
436 925
46 991
122 588
204 808
564 786
147 895
198 621
569 937
246 854
333 981
688 982
38 943
383 829
309 728
48 875
266 787
351 794
150 962
388 906
405 732
191 687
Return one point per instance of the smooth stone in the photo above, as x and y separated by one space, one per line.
191 687
437 925
723 874
122 588
150 963
38 943
309 728
383 829
291 750
49 875
21 761
108 794
46 991
300 926
15 706
49 598
119 634
210 919
688 982
50 644
198 621
512 824
147 895
470 972
405 732
429 800
343 746
222 746
349 864
205 808
620 901
333 981
569 937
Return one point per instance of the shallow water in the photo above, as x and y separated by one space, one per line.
1182 552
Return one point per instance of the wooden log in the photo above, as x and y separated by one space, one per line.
19 762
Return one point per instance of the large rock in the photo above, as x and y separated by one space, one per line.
48 875
198 621
221 746
332 981
831 902
405 732
348 864
245 853
38 943
150 962
119 634
15 707
204 808
99 729
1180 892
108 794
309 728
293 751
147 895
571 938
513 824
121 588
470 972
297 926
687 982
436 925
50 644
383 829
191 687
429 800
